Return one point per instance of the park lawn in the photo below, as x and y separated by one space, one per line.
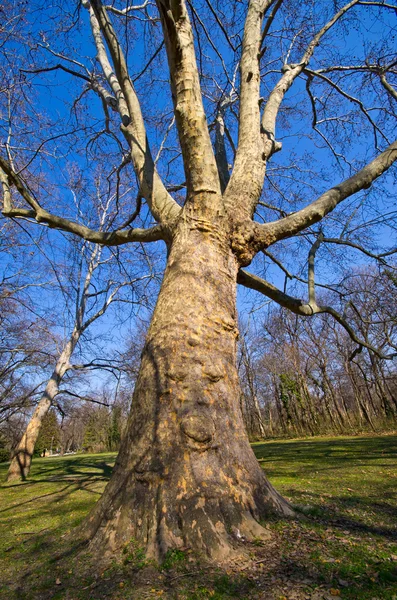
345 544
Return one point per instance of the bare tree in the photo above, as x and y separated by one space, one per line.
185 474
320 382
91 302
27 341
252 412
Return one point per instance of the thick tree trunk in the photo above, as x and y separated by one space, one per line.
186 475
22 459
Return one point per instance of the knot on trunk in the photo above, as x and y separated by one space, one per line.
244 242
199 430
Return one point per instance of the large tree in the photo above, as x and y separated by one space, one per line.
185 474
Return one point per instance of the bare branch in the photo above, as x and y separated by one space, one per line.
290 73
380 4
220 25
162 206
107 69
301 308
80 397
149 62
90 79
351 99
310 275
40 215
267 234
125 11
6 191
388 87
198 156
343 242
268 24
249 166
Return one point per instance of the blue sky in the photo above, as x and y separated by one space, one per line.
73 164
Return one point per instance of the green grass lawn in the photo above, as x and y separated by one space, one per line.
344 546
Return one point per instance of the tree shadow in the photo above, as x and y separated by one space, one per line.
333 513
71 572
58 566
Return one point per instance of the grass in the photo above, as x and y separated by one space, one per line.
348 488
345 545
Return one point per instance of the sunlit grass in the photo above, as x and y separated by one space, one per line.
345 487
348 489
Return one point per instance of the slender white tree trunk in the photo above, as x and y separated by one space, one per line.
22 459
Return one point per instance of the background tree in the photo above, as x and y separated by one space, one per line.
92 292
309 377
185 474
48 438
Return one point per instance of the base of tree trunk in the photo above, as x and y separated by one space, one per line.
19 468
13 477
159 516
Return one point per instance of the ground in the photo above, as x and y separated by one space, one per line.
345 544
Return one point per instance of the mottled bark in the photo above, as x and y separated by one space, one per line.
186 475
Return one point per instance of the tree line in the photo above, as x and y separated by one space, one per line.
305 377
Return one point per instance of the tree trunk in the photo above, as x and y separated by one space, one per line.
186 475
258 414
22 459
363 410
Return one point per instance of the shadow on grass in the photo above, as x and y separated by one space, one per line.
334 451
77 475
75 465
370 508
333 513
74 573
52 565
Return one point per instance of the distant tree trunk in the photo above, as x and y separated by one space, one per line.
22 459
20 464
270 418
389 406
249 375
363 409
258 414
333 396
279 406
186 474
312 421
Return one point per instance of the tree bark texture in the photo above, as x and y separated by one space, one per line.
186 475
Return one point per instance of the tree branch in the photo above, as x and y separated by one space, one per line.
249 165
198 156
90 79
343 242
388 87
162 206
268 233
290 73
125 11
351 99
85 398
40 215
301 308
